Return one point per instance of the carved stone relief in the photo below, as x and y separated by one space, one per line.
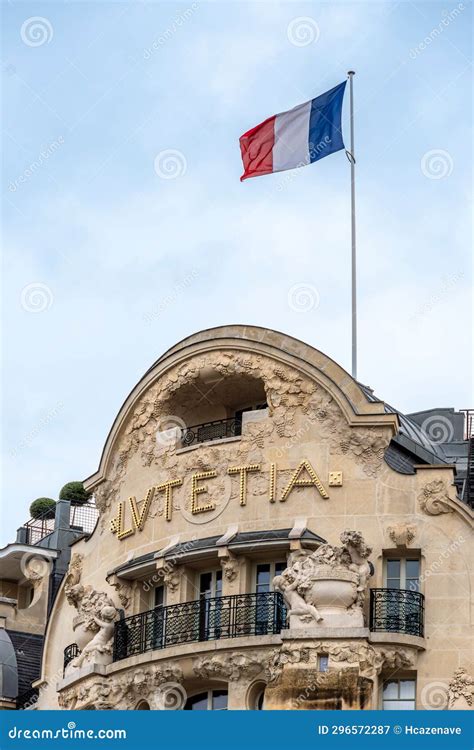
434 498
402 534
296 404
229 666
94 622
461 690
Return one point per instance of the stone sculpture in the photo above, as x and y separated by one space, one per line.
327 588
93 624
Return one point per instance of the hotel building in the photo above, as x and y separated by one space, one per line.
271 535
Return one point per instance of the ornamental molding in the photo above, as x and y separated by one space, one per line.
229 666
153 684
402 534
434 498
293 387
461 690
370 661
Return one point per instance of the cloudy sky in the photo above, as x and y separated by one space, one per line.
126 227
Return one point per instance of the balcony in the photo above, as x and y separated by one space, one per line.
201 620
217 430
70 653
397 611
81 518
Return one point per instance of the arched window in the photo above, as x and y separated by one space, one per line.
210 700
142 706
256 696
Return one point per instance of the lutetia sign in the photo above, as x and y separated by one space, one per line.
132 515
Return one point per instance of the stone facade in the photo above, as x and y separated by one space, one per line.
308 472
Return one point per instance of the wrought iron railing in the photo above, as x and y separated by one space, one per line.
397 611
201 620
70 653
202 433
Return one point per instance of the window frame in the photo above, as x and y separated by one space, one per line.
403 559
398 679
273 573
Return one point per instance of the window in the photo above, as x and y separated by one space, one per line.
210 592
265 573
323 662
402 573
159 596
399 695
143 706
211 700
256 696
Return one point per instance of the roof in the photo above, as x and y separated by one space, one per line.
244 540
411 439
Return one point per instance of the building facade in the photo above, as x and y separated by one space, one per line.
31 571
271 536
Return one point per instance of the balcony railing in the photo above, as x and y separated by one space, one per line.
217 430
81 517
397 611
70 653
201 620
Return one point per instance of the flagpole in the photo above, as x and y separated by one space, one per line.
351 74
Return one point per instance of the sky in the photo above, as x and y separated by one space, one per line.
126 228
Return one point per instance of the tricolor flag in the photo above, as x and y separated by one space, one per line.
295 138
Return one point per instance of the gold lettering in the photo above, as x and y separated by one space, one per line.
116 524
139 517
243 471
272 483
312 480
196 491
167 488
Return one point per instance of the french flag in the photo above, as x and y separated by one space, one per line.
295 138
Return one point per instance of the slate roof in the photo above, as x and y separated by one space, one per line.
28 650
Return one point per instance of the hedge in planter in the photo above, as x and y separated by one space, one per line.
43 507
75 493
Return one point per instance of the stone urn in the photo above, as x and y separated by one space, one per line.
327 588
333 592
82 634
